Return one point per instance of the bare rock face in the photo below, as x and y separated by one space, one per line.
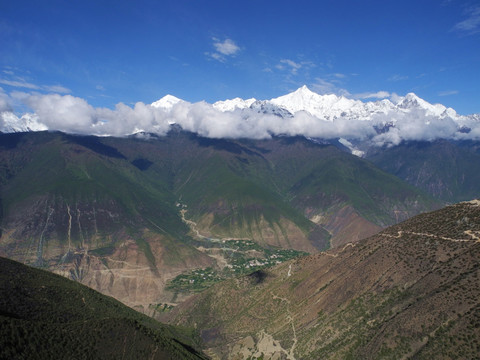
131 276
64 238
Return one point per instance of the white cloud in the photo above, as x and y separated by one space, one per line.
324 86
5 102
293 66
124 120
227 47
75 115
397 77
223 49
373 95
395 97
414 125
20 84
448 92
216 56
57 89
471 25
65 113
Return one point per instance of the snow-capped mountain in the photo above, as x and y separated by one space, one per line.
325 107
167 102
267 107
233 104
10 123
412 101
302 112
330 107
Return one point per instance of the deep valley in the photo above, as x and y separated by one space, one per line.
282 248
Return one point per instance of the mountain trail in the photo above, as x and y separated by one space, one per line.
473 234
132 266
340 251
470 233
193 226
290 354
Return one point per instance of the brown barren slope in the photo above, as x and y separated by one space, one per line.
411 291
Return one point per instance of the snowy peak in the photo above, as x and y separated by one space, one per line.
10 123
167 102
301 99
233 104
326 107
412 101
304 91
266 107
330 106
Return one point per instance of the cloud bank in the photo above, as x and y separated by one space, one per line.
72 114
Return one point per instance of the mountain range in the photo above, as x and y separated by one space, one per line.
302 112
128 215
330 106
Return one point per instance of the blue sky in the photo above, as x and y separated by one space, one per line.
108 52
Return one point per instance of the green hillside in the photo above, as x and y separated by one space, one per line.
72 170
447 170
45 316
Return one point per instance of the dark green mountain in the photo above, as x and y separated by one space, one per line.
45 316
447 170
224 182
127 215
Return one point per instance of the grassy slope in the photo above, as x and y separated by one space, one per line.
223 179
245 185
69 173
43 315
322 177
